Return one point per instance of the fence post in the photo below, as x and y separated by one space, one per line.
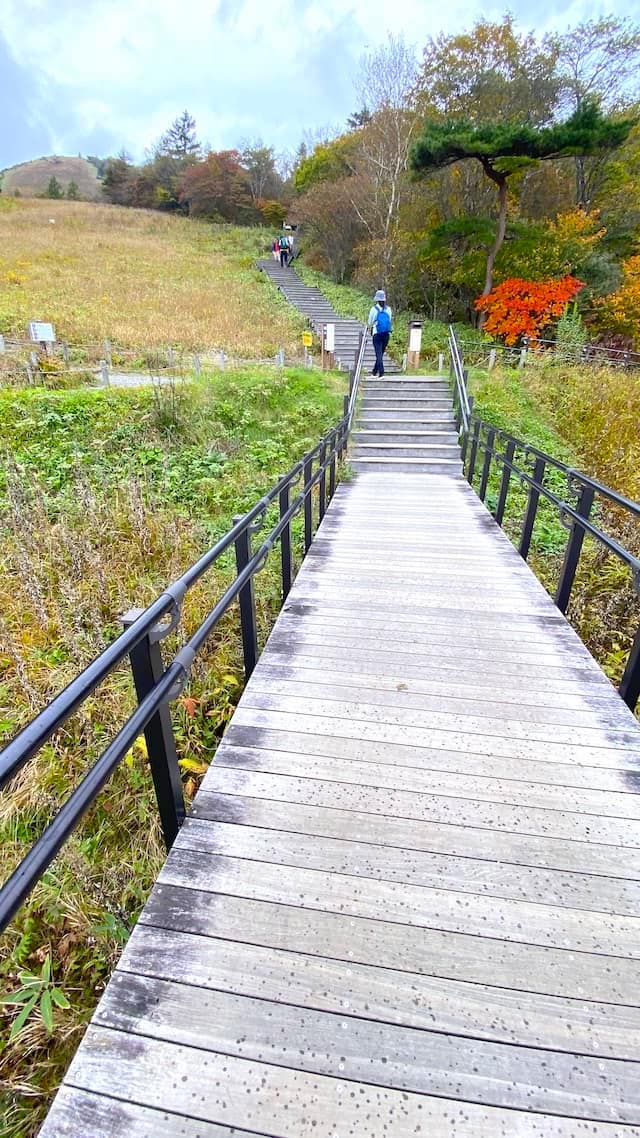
322 483
630 683
474 450
492 359
509 455
104 373
285 543
107 352
440 361
491 436
307 490
148 668
197 367
247 602
532 509
574 549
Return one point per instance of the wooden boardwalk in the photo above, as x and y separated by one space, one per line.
406 900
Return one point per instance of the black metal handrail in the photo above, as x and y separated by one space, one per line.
483 440
156 684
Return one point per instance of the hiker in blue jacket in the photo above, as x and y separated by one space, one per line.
380 324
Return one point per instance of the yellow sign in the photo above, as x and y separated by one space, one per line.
307 339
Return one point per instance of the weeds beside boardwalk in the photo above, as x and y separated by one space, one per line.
105 496
140 278
587 417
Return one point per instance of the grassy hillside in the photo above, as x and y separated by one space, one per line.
105 496
31 179
139 278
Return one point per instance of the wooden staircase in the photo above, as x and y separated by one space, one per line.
406 424
315 306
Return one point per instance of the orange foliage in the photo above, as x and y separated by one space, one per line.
518 308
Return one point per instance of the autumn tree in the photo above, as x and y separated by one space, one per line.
598 59
259 161
503 148
518 308
332 226
218 188
387 79
489 73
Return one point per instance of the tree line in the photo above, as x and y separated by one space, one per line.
241 186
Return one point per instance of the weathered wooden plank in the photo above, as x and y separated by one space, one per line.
81 1114
387 862
378 1054
552 772
430 952
481 788
441 627
483 619
499 669
435 808
578 930
286 1103
476 743
329 687
436 837
431 1003
625 737
523 695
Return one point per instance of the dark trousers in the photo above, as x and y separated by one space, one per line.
284 257
380 341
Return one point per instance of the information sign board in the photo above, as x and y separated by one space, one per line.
41 332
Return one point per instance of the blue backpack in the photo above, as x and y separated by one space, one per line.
383 323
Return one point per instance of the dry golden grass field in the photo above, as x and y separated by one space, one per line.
142 279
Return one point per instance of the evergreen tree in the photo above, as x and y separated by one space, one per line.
180 140
502 148
54 189
73 192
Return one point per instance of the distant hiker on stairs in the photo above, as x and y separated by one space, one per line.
380 323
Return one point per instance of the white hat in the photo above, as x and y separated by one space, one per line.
380 295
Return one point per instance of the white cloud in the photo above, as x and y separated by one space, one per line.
123 69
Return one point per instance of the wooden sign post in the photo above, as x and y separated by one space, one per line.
415 343
329 346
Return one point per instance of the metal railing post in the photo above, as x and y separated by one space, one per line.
285 543
465 436
630 683
488 455
333 439
474 450
344 425
574 549
509 455
532 509
247 602
308 504
322 482
147 668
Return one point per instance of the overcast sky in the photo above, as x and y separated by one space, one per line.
92 76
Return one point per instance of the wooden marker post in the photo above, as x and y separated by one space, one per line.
415 343
329 346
